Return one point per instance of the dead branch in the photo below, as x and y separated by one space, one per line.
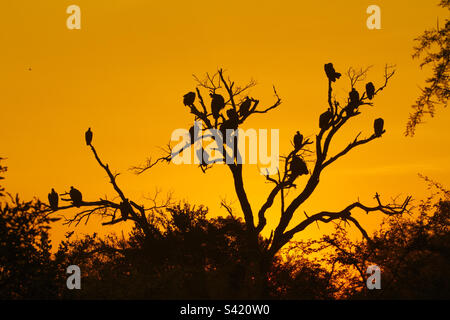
345 214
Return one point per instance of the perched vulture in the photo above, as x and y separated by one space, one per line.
331 73
298 140
378 125
88 137
217 104
125 210
53 199
370 90
189 98
354 97
297 167
76 197
244 109
233 117
325 120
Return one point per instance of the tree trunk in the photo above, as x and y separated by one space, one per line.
257 277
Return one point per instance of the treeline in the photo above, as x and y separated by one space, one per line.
190 256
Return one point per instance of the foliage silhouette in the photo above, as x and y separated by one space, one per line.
26 268
187 257
437 89
412 252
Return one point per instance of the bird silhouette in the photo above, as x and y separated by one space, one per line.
189 98
325 120
370 90
233 117
331 73
53 199
244 108
217 104
125 210
353 101
298 140
76 197
88 137
378 126
297 168
231 123
354 97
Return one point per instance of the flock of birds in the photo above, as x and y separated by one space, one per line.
77 197
218 104
297 166
326 118
231 121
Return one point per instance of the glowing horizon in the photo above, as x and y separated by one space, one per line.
124 74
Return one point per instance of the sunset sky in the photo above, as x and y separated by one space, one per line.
125 71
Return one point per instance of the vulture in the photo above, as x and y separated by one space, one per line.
189 98
233 117
217 104
325 120
231 123
354 97
297 167
298 140
244 108
53 200
88 137
76 197
378 125
331 73
370 90
125 210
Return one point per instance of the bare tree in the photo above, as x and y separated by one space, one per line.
113 212
236 108
434 46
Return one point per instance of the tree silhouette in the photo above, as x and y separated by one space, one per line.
112 211
412 252
434 44
262 254
188 256
26 268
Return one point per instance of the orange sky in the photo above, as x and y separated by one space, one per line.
124 73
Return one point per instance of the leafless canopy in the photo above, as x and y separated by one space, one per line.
111 211
340 114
